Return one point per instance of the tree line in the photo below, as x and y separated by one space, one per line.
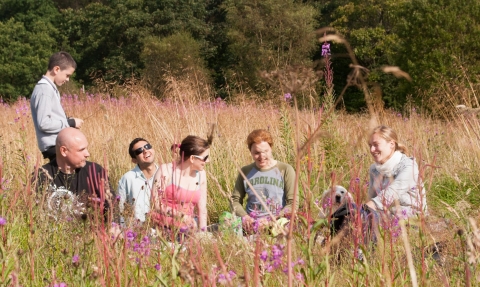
227 43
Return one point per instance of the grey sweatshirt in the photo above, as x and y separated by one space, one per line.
275 185
47 113
403 185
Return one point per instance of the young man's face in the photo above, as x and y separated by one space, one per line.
62 76
261 154
145 156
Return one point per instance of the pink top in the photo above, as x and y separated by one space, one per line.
179 199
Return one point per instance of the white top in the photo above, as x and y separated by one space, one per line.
135 189
398 178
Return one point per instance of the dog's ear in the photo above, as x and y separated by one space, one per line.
325 204
327 198
348 198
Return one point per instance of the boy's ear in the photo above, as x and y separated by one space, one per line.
134 160
56 69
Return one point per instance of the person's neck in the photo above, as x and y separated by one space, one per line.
185 169
388 158
271 163
50 77
149 170
64 167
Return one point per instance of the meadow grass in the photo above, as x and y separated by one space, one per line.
36 250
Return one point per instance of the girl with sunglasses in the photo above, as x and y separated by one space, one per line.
181 197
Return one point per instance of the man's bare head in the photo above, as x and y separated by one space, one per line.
71 148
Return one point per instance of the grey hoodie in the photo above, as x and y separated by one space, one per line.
403 185
47 113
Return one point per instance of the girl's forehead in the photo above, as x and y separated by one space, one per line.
376 138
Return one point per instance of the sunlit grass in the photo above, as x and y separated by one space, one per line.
37 251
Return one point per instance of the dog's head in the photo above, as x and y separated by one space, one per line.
338 195
333 198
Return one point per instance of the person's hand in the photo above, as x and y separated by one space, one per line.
247 223
115 232
371 205
264 223
190 222
78 123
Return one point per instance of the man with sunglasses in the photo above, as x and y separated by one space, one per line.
134 188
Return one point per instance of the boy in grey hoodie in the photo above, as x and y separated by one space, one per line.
48 115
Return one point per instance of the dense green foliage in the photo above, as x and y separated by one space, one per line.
230 42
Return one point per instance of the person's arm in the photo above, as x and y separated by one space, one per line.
371 190
43 107
162 177
75 122
122 192
290 190
202 204
401 184
237 197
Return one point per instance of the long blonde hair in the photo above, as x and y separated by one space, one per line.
389 135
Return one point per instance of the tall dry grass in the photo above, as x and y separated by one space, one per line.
446 149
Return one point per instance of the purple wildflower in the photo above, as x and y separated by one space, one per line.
269 268
3 221
75 259
158 267
287 97
222 279
326 49
328 203
137 248
264 255
130 235
276 252
255 226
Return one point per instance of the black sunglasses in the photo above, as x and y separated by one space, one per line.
204 159
140 149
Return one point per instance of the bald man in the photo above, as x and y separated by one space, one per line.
71 171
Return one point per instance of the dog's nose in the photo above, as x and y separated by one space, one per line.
338 198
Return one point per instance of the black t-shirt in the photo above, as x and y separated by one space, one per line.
88 181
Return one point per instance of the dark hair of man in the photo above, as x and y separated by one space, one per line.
62 59
130 147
